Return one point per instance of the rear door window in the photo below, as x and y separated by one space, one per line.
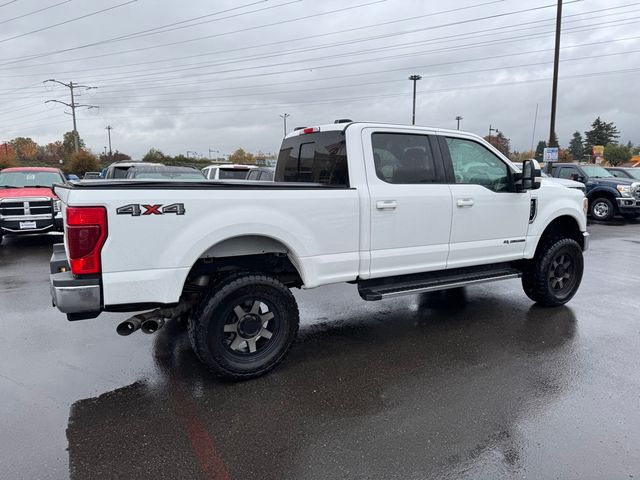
404 158
569 173
317 157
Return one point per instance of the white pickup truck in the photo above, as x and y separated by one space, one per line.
392 208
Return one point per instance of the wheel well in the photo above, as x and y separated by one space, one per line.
252 253
602 194
565 227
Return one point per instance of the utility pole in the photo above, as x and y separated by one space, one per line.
105 152
217 152
491 130
554 91
414 79
284 118
458 118
73 105
109 128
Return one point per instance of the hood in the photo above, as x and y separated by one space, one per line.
613 181
26 192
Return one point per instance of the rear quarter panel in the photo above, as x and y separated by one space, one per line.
146 258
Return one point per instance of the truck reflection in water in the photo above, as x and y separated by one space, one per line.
434 389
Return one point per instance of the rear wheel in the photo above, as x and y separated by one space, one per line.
554 274
602 209
245 328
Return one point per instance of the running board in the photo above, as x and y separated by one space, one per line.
378 289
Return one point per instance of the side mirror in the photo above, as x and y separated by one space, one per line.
530 178
580 179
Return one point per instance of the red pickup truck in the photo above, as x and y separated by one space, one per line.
27 202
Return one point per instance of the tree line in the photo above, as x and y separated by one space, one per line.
579 147
24 151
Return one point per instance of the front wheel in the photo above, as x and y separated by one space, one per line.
554 274
602 209
245 328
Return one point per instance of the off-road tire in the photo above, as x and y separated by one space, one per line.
602 209
536 280
210 341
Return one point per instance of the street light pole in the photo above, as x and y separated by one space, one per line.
554 90
491 130
458 118
109 128
414 79
284 118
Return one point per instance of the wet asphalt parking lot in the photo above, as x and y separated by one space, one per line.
467 384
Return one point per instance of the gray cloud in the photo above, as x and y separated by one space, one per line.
165 89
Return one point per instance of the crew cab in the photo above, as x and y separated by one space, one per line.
27 202
608 195
394 209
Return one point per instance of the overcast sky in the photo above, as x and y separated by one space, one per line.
199 75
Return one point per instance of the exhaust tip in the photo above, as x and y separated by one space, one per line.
152 325
125 328
128 326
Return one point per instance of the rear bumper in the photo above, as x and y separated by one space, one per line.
79 298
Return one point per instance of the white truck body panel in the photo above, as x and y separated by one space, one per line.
372 229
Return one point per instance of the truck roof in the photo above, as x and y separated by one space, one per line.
31 169
342 126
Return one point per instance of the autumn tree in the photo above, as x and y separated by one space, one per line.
502 143
576 146
601 133
241 157
616 154
7 156
120 157
68 145
154 155
25 147
82 162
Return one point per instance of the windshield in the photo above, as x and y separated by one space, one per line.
29 179
634 172
233 173
596 171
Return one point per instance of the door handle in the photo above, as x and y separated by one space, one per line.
386 204
464 202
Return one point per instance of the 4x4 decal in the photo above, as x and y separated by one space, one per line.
136 209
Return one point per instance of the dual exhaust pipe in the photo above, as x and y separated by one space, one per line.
149 323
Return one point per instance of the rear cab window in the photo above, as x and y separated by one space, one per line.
319 157
232 173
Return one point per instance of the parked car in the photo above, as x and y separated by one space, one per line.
72 177
162 172
607 194
120 169
261 174
27 202
227 172
91 176
390 208
625 172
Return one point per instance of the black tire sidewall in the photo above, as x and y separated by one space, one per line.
571 248
210 336
609 203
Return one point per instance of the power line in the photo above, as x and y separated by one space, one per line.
306 17
253 68
67 21
35 11
290 40
8 3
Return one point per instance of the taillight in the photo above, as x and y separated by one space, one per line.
86 232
